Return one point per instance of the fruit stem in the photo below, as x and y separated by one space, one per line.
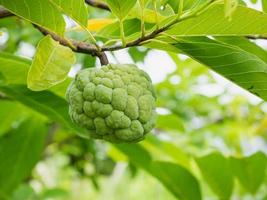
103 58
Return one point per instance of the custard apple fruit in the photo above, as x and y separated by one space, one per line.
115 103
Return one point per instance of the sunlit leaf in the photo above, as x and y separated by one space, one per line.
50 65
245 21
76 9
121 8
229 7
40 12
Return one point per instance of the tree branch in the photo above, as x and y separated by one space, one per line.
157 31
77 46
98 4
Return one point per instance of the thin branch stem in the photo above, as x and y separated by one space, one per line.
77 46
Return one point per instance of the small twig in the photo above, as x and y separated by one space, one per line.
98 4
77 46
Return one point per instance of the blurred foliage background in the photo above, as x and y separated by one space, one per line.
208 129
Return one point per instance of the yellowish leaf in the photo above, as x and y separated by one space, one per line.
97 24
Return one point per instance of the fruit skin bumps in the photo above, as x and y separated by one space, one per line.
115 103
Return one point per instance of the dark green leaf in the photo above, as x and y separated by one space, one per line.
46 103
19 151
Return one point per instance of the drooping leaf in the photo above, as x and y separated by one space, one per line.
45 102
246 45
39 12
250 171
241 67
175 178
50 65
19 151
216 170
121 8
245 21
76 9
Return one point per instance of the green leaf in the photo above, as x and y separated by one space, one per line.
229 8
46 103
50 65
177 179
76 9
246 45
161 45
264 5
19 152
113 30
170 122
241 67
216 170
250 171
40 12
13 68
245 21
11 113
121 8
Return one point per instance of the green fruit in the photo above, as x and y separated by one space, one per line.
115 103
